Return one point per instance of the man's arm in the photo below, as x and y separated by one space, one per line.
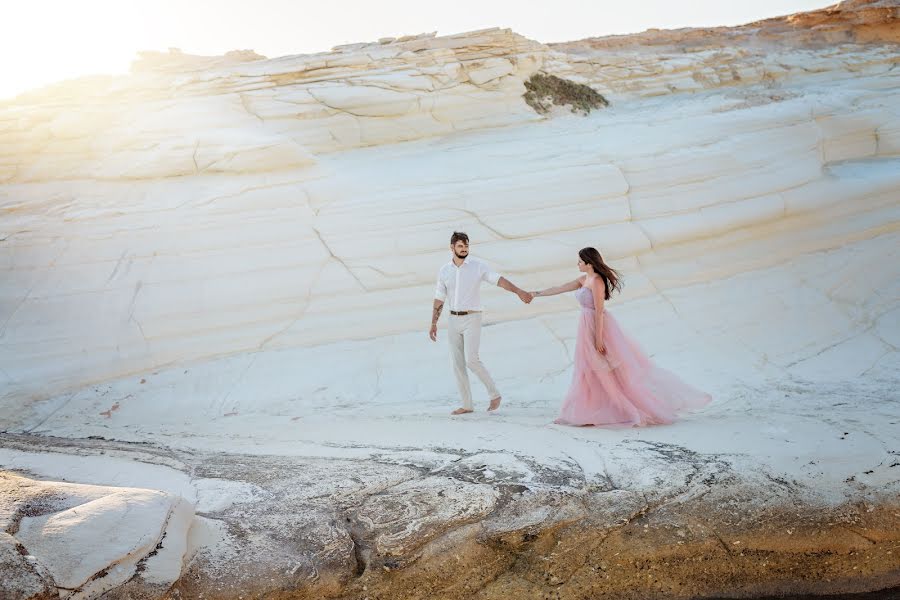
435 315
440 294
509 286
491 276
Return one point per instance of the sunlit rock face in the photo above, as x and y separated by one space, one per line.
188 212
217 283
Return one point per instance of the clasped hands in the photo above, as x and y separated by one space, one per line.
526 297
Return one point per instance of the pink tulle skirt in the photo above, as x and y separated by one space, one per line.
622 388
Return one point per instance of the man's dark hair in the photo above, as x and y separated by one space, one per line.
459 236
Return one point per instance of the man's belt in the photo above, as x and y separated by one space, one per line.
462 313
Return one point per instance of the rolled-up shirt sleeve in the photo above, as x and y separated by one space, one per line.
440 289
488 274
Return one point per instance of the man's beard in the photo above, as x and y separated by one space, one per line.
463 257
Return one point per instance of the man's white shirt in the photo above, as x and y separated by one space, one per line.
460 287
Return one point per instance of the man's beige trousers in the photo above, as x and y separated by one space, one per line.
465 338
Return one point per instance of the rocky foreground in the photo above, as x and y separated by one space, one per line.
215 379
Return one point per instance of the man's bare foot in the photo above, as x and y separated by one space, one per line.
495 404
461 411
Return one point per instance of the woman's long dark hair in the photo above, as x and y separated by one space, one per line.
611 278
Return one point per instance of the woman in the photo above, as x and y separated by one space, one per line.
614 382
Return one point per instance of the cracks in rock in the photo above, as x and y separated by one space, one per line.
34 286
141 565
611 485
131 308
229 155
877 360
865 537
194 158
335 108
384 273
362 548
64 404
132 303
627 195
723 544
475 216
116 269
845 306
558 339
246 105
641 512
669 301
140 328
791 68
368 83
312 206
378 376
16 309
337 142
573 461
881 339
307 301
339 259
699 331
236 384
15 521
437 119
663 296
253 188
830 346
556 373
569 356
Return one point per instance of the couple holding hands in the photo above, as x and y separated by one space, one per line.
614 384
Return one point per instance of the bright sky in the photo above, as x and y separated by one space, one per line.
43 41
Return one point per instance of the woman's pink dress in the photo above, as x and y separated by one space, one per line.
622 388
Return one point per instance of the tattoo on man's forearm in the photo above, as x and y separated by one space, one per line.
436 313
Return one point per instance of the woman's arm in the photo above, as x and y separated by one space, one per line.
598 287
560 289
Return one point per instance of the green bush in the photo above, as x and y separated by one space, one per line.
545 91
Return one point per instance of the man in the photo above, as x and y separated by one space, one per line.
459 283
